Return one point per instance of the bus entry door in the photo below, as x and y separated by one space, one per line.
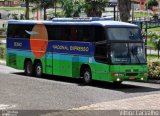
49 63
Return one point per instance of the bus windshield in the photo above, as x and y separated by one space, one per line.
124 33
128 53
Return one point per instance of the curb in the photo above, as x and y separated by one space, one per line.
2 62
152 81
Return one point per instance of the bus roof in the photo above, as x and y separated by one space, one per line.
97 23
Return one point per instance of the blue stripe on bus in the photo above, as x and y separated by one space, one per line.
66 47
18 43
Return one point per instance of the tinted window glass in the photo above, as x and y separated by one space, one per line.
124 34
99 34
101 53
75 33
19 31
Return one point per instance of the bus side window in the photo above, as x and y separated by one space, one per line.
51 29
100 49
99 34
101 53
73 34
86 33
18 31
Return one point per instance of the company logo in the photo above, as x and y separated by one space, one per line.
38 40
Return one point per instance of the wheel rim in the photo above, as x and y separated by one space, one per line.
39 70
87 76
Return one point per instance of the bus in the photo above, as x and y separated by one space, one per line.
91 49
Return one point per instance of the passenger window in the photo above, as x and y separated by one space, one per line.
101 53
19 31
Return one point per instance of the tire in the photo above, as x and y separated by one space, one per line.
38 70
87 76
28 68
117 82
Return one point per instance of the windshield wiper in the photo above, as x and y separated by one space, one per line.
134 53
137 58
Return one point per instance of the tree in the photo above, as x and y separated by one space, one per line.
43 4
124 7
94 8
27 9
72 8
152 3
155 39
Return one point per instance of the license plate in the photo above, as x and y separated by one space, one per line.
131 78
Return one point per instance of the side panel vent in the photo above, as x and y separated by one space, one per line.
12 59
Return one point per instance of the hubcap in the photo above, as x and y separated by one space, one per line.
87 76
38 70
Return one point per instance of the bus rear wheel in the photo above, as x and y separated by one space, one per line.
38 70
87 77
28 68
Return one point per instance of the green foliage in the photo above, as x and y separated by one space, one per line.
2 31
16 16
155 40
72 8
2 51
152 3
94 8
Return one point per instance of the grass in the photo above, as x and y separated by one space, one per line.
140 14
12 8
152 56
149 43
154 29
2 46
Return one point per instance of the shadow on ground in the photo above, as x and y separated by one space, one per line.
126 87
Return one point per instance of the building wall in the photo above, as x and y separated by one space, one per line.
159 6
10 3
140 4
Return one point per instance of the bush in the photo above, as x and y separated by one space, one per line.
2 53
2 31
154 69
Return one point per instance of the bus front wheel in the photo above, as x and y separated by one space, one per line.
38 70
117 82
28 68
87 77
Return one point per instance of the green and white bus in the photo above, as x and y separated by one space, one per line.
91 49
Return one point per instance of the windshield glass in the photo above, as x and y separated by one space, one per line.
128 53
124 33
